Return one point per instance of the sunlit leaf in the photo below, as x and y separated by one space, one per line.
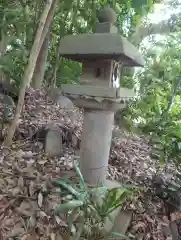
62 208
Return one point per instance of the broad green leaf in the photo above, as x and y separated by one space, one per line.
63 184
62 208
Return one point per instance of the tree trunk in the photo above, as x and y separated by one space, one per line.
57 61
41 32
39 72
3 46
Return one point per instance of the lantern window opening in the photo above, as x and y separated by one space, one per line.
98 72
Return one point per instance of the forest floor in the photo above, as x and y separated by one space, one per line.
27 197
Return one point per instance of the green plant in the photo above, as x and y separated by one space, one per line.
88 208
166 141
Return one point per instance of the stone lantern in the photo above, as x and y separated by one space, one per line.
102 54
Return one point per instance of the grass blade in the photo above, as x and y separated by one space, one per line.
81 178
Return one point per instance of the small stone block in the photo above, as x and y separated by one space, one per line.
53 142
65 103
166 231
122 222
110 224
105 27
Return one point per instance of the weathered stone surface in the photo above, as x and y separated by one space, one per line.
112 184
166 230
93 104
117 133
65 103
98 91
54 93
116 214
107 14
95 145
97 97
174 230
53 141
120 219
106 27
122 222
100 46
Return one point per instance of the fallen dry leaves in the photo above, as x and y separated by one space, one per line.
27 197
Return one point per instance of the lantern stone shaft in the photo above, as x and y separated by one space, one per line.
101 55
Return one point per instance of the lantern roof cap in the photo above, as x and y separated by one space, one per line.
100 46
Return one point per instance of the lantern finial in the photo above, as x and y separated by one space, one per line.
107 14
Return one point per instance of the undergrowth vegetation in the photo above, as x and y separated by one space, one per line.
156 112
87 208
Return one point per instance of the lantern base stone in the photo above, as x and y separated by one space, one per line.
97 91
